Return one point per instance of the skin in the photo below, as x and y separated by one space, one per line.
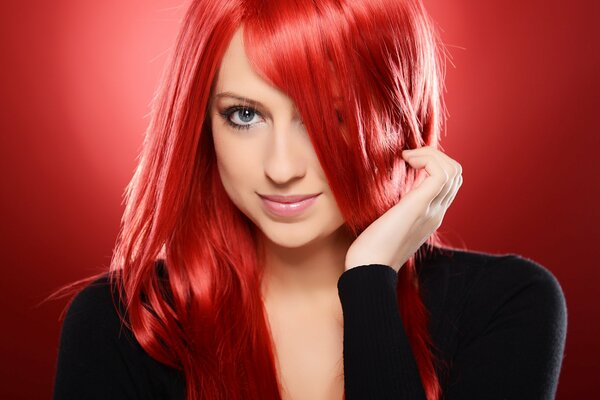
306 255
416 216
275 156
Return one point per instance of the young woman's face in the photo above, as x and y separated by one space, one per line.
263 149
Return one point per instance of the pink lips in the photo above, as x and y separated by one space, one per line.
288 206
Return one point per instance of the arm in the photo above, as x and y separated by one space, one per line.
378 361
513 331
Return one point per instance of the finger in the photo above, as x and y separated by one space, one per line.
438 152
451 167
433 184
447 164
454 170
449 198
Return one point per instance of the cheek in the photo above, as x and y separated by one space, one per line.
235 162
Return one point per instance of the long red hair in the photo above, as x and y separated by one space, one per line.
201 310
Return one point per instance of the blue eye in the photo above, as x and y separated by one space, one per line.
243 113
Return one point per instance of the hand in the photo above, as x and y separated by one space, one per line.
397 234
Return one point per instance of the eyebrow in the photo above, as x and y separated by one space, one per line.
248 100
240 98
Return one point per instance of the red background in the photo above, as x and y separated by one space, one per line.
77 79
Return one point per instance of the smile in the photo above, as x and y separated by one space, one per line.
288 209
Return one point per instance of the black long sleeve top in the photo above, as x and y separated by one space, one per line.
498 321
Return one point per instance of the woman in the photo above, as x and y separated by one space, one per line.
279 237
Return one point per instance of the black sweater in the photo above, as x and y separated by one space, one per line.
498 321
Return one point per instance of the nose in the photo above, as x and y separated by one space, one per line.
285 158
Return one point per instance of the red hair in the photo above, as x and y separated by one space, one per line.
201 310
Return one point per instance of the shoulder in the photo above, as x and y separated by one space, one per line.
478 286
504 270
92 294
96 331
94 310
99 354
477 268
98 302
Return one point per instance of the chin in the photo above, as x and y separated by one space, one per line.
289 236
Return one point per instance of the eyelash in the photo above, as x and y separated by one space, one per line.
227 113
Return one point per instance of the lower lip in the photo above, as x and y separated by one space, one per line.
288 209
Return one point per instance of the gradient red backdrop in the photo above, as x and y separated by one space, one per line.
77 80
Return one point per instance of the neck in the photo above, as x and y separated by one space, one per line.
309 273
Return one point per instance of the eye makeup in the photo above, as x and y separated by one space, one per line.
230 111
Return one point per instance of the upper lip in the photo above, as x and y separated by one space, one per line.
288 199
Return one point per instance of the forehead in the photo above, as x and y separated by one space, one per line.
237 75
235 64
